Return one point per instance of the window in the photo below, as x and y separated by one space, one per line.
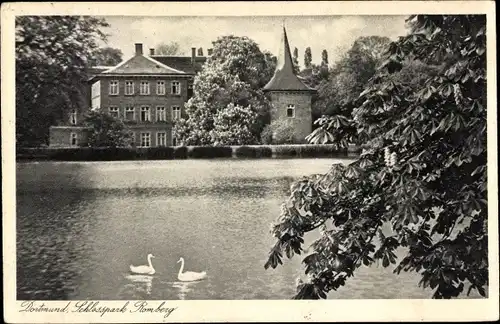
129 87
160 88
73 139
113 112
161 113
73 117
145 139
113 88
175 88
290 111
190 91
174 140
129 113
145 113
176 112
144 90
161 139
132 138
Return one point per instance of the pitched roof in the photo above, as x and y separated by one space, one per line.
284 77
182 63
141 64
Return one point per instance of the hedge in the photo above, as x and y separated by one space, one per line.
181 152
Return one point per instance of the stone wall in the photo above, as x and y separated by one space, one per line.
302 122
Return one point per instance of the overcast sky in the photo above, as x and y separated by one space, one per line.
333 33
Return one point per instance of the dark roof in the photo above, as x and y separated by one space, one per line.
182 63
284 77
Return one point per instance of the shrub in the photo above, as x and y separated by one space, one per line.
180 152
278 132
207 152
160 153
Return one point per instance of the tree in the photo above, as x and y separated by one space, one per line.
295 59
279 132
106 131
234 125
52 56
324 57
172 48
107 56
234 74
420 183
200 51
307 58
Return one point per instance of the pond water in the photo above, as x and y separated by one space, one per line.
80 226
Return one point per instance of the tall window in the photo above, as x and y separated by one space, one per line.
175 88
146 139
174 140
290 111
113 112
145 113
160 88
113 88
73 117
73 139
176 112
129 87
129 113
161 113
144 89
161 139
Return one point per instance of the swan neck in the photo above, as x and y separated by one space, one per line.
149 261
182 266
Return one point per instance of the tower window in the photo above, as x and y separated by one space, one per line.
290 111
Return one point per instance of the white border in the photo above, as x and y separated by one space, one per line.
225 310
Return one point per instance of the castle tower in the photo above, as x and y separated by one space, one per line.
290 98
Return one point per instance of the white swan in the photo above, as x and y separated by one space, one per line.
189 275
144 269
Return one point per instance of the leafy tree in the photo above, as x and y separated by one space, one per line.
52 54
106 131
234 74
324 57
420 183
349 76
172 48
107 56
295 59
278 132
234 125
200 51
307 58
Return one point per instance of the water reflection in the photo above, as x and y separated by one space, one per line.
140 283
183 288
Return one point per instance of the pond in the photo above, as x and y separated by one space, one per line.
80 226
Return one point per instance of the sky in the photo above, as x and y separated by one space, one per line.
333 33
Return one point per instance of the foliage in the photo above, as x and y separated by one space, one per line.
52 54
210 152
324 57
233 75
260 151
278 132
419 185
107 56
234 125
105 130
200 51
307 58
172 48
295 59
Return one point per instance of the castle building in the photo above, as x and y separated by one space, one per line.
147 92
290 97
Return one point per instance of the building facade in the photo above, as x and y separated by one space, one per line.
146 92
291 99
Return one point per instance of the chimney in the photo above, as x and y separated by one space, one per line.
193 54
151 52
138 48
210 51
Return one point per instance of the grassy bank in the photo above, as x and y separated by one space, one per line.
183 152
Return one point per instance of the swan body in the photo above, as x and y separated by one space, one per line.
189 275
144 269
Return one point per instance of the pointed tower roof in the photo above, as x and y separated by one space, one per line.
284 78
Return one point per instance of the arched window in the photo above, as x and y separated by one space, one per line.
290 111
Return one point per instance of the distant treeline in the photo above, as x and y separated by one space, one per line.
182 152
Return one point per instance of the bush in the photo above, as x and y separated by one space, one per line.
208 152
304 151
180 152
278 132
253 151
